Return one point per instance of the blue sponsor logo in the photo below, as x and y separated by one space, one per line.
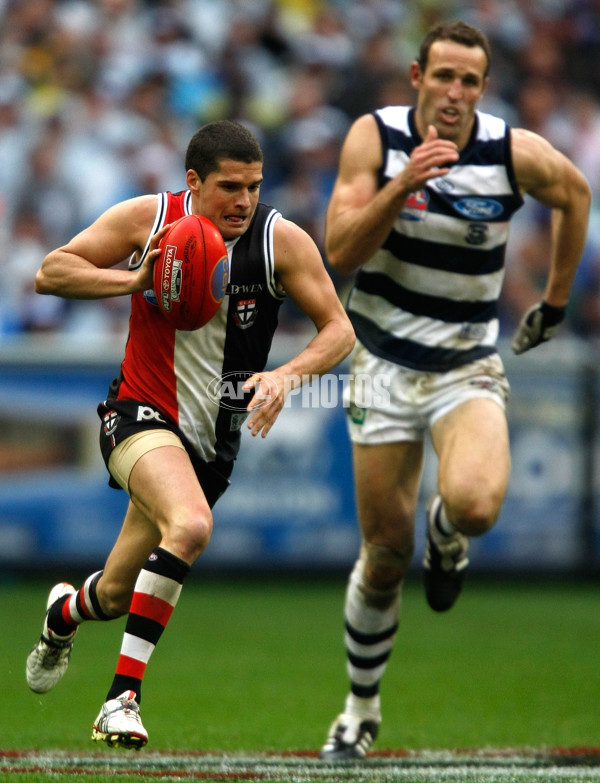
219 278
479 208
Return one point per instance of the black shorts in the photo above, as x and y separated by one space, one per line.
122 418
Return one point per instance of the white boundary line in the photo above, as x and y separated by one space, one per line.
577 765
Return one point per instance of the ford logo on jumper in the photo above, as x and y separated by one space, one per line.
479 208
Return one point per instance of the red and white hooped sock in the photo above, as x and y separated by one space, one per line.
70 611
156 593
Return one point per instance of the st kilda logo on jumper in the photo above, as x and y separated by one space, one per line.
245 313
245 310
109 424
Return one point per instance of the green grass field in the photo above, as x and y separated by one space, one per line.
258 668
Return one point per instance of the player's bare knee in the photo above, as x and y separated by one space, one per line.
383 567
188 537
477 517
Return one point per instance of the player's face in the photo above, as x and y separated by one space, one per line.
449 89
228 196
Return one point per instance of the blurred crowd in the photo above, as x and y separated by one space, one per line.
98 99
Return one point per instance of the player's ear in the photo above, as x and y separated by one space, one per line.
415 74
192 180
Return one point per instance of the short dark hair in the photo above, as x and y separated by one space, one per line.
223 139
459 32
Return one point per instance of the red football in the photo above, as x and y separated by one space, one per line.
191 273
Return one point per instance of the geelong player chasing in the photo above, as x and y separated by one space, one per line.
421 207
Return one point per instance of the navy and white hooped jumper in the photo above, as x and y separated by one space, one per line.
427 300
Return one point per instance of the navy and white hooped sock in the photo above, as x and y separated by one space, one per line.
441 521
370 633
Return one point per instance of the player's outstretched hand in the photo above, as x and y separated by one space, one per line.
267 401
537 326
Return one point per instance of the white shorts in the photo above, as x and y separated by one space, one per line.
387 403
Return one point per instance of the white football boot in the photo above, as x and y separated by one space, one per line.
119 723
48 660
353 731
